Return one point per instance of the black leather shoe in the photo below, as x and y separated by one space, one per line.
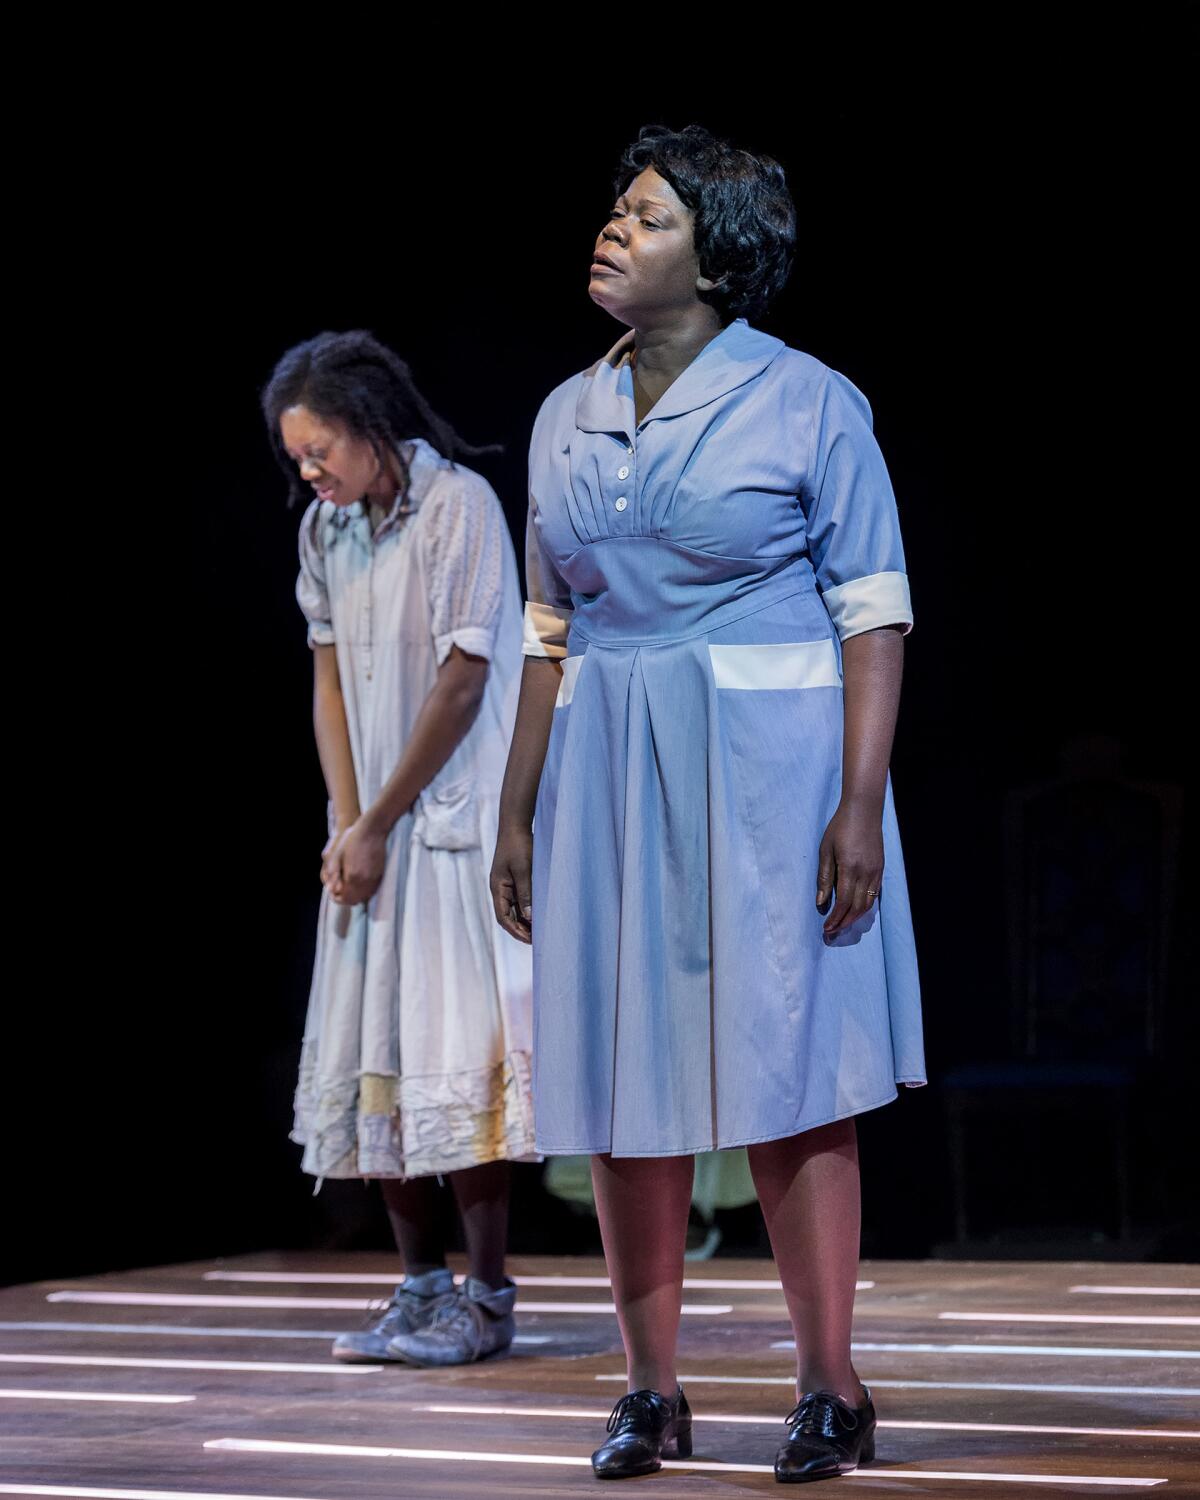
827 1438
646 1428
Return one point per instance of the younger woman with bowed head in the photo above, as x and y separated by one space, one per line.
416 1050
697 830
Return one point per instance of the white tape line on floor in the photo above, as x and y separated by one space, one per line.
357 1304
250 1366
776 1420
93 1492
1188 1392
183 1330
1137 1320
1076 1351
370 1278
457 1455
1139 1291
13 1393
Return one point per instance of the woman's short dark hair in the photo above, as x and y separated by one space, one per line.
353 378
744 220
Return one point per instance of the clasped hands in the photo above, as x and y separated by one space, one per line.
353 860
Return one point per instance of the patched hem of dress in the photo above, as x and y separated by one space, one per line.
401 1126
520 1152
756 1140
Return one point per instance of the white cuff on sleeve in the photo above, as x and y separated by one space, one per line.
868 603
546 630
320 633
475 640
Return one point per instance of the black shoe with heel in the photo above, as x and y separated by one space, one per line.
645 1428
826 1438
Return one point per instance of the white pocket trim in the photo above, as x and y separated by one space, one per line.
566 688
776 664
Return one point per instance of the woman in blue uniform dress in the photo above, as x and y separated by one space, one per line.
697 829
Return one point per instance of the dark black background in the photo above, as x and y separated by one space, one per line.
990 248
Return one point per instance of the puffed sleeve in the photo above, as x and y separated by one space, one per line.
853 528
311 593
548 605
463 548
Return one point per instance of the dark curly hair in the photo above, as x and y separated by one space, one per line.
353 378
744 220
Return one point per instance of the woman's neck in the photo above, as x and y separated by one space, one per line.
661 352
381 493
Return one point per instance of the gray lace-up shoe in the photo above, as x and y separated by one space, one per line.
416 1299
470 1323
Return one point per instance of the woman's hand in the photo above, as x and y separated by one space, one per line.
512 881
851 860
357 861
331 864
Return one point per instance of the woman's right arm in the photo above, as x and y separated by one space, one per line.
548 612
333 742
330 726
512 867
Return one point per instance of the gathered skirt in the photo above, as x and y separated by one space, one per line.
416 1052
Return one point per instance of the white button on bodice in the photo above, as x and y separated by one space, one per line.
622 503
623 472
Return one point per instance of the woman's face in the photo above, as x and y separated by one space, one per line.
649 267
339 466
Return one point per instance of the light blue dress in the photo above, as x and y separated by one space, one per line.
695 574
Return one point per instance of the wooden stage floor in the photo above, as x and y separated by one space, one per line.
214 1379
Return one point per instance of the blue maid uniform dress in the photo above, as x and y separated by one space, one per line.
695 575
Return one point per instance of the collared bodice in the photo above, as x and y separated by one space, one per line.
704 510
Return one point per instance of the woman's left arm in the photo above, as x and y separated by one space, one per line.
444 718
461 548
851 854
853 535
